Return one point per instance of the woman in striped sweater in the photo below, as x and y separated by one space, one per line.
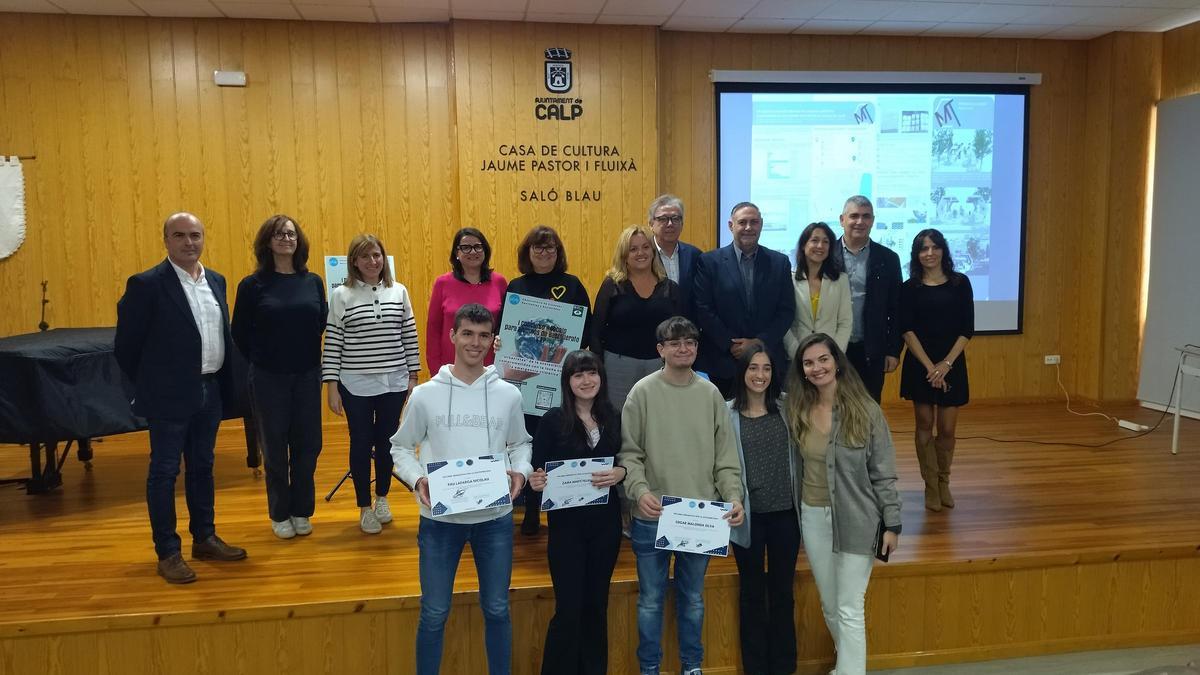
371 362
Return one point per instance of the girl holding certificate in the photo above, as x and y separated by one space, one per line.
849 506
765 620
584 541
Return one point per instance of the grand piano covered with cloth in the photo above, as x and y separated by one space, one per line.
63 386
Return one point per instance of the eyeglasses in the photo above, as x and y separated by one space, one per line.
470 248
284 235
544 250
688 343
663 220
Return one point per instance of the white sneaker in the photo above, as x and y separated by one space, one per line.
301 525
382 511
283 529
369 522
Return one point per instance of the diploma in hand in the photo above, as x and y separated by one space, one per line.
693 526
467 484
569 483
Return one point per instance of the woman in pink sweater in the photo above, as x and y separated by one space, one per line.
470 280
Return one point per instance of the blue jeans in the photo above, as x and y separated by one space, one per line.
191 438
440 545
652 590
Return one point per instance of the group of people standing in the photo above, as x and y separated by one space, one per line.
685 357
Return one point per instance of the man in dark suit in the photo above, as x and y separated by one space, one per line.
173 342
874 272
742 294
666 220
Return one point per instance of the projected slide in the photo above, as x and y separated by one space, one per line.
952 161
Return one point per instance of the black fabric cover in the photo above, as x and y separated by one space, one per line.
65 383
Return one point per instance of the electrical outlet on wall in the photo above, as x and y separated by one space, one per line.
1053 359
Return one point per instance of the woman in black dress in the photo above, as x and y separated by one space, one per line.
937 318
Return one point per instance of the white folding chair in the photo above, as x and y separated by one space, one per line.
1189 364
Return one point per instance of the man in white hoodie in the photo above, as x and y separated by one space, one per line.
466 410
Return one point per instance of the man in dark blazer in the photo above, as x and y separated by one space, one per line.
742 294
173 342
665 219
874 272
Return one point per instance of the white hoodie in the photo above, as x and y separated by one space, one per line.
450 419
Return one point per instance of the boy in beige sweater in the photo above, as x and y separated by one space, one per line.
677 439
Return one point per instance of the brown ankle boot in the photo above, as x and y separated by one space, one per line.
944 459
927 460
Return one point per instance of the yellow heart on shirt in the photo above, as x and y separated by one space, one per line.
558 292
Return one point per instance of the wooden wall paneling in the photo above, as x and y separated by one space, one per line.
65 125
215 186
142 241
29 264
340 226
347 51
498 75
1137 67
117 172
1181 56
94 211
322 234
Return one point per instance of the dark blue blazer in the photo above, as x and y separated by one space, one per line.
689 257
723 314
158 343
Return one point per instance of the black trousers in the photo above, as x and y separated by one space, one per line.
373 421
287 412
582 550
765 599
531 498
871 371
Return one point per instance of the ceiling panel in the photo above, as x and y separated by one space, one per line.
38 6
1057 19
859 10
631 20
100 7
336 13
832 27
257 10
179 8
766 25
735 9
714 24
788 9
390 14
954 29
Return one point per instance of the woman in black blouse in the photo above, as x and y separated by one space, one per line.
937 318
584 541
542 260
635 297
277 324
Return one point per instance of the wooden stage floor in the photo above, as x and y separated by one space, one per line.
83 554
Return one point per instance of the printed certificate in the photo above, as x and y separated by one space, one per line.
569 483
535 335
693 526
467 484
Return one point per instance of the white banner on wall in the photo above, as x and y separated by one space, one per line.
12 206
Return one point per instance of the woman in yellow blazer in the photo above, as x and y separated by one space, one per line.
822 290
